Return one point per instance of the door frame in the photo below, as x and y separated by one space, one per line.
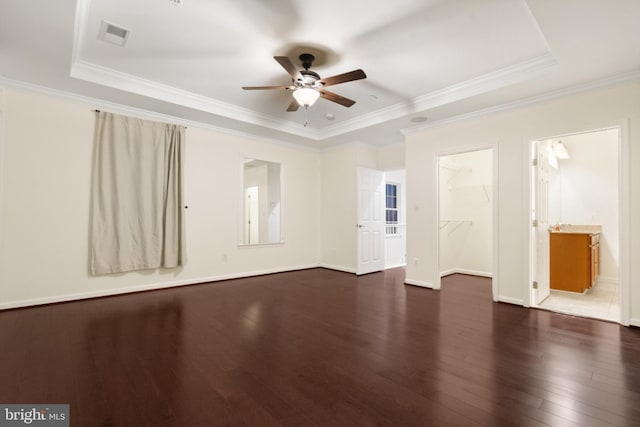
495 249
3 110
624 213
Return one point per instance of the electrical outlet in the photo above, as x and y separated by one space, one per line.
224 257
416 261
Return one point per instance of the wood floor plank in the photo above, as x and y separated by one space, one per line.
320 348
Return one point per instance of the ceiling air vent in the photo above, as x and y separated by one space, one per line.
114 34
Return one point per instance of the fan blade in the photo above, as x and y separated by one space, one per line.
290 67
343 78
293 106
336 98
264 87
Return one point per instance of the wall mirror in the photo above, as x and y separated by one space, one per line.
260 210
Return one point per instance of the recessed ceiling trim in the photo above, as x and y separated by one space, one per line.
500 78
141 113
112 78
134 84
79 29
633 76
127 82
94 73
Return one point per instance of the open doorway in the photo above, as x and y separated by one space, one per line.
575 233
396 219
466 213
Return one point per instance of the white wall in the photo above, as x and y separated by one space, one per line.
339 166
511 131
589 191
465 213
338 209
44 210
391 157
45 207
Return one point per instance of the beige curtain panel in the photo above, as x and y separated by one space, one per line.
137 218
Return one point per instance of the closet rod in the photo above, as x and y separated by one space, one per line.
445 222
458 226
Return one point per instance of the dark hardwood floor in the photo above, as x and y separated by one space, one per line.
320 348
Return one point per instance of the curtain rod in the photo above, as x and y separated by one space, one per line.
95 110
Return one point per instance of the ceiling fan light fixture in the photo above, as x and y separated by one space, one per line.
306 96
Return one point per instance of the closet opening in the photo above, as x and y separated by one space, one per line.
466 215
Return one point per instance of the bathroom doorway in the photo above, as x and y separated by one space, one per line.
575 224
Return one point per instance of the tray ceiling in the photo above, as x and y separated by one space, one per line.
421 57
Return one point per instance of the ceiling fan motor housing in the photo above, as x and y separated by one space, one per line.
307 60
310 77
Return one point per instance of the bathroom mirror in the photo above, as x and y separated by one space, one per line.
260 208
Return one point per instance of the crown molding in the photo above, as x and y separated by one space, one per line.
133 84
130 83
632 76
495 80
140 113
95 73
105 76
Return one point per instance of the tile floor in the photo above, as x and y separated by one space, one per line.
602 301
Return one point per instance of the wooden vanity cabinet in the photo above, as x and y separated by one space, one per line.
574 260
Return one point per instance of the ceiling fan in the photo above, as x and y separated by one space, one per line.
307 86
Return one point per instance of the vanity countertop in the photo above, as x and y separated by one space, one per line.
577 229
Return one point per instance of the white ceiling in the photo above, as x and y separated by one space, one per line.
432 58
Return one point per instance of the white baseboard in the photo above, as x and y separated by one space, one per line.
448 272
142 288
420 283
338 268
386 267
466 271
509 300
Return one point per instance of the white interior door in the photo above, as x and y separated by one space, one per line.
541 222
371 221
